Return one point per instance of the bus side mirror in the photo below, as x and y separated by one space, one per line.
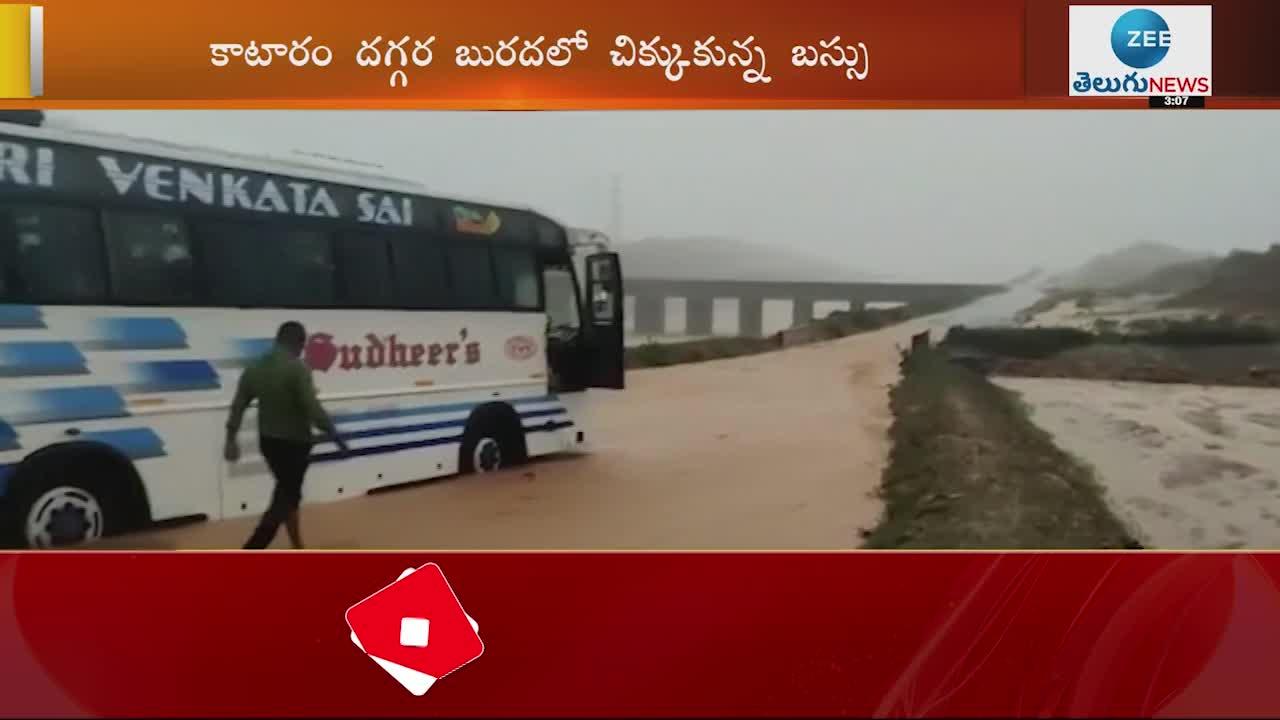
604 280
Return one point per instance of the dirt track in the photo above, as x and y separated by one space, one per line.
776 451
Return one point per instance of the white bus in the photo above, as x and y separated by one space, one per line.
137 279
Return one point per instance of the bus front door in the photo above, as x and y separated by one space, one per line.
604 327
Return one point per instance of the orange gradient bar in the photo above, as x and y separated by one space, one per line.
915 54
155 53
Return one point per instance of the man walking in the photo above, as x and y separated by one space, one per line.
288 409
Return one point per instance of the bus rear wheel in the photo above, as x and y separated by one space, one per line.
491 442
486 456
64 515
60 504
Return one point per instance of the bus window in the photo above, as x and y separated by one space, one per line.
418 267
364 265
517 278
266 266
562 298
471 270
150 259
55 254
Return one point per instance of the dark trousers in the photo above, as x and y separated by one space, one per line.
288 461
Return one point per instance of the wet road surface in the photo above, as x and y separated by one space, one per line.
782 450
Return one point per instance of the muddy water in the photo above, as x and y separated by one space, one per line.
1186 466
777 451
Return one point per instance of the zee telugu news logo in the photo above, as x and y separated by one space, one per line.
1140 51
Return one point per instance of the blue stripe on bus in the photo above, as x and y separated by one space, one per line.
21 316
8 437
392 413
438 425
26 407
133 443
174 376
101 401
245 348
381 449
402 429
414 444
543 413
141 443
19 359
139 333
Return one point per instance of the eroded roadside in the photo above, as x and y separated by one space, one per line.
968 469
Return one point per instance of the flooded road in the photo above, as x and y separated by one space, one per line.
993 310
782 450
1185 466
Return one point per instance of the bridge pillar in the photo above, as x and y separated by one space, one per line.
751 317
801 311
650 315
697 312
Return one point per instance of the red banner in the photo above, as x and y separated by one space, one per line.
864 634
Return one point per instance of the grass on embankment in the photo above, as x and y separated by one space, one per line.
1042 342
968 469
1205 351
653 354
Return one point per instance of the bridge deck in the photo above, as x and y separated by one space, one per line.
650 296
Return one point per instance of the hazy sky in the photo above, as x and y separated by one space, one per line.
945 195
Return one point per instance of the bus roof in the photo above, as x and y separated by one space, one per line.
291 167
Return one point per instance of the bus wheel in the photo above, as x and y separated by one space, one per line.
486 456
63 515
491 442
55 505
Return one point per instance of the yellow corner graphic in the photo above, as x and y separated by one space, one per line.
21 51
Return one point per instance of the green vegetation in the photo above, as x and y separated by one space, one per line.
968 469
841 323
662 354
1036 343
1222 330
1018 342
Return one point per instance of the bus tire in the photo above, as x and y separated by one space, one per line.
493 439
73 496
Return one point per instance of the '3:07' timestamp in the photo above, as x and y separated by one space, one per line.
1171 102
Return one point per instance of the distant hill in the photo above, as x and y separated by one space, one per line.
1176 279
728 259
1244 282
1125 266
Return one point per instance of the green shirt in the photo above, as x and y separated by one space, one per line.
287 404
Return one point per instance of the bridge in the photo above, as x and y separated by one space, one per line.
650 296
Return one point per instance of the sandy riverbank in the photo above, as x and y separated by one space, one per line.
1122 311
